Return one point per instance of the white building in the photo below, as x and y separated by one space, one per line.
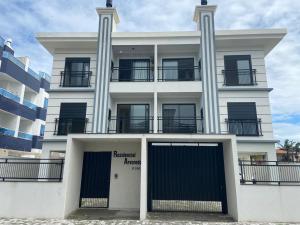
157 121
23 104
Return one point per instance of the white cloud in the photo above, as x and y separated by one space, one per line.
21 19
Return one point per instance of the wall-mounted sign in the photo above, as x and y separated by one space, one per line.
127 159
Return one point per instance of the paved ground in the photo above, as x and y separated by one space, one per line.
115 222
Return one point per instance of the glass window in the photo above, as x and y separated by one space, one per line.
76 72
238 70
133 118
134 70
179 118
178 69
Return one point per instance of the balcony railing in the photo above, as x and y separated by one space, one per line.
9 95
29 104
64 126
171 73
180 125
243 127
239 77
75 78
7 132
31 170
133 125
25 135
269 173
132 74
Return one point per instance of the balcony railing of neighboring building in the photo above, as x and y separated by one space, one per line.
174 73
64 126
29 104
7 132
269 173
243 127
9 95
132 125
245 77
31 170
24 135
75 78
180 125
132 74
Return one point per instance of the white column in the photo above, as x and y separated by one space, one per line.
143 192
107 18
155 115
204 16
155 64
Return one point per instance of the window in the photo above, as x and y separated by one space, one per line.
77 72
46 103
179 118
72 118
134 70
242 118
133 118
178 69
238 70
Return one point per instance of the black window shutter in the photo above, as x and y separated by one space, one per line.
242 111
73 110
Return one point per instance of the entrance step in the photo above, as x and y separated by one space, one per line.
189 216
104 214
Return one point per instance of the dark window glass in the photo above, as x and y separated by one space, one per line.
238 70
242 118
179 118
134 70
178 69
133 118
77 71
72 118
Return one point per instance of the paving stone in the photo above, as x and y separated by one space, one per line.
7 221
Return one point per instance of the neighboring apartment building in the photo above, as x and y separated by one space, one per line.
23 104
157 121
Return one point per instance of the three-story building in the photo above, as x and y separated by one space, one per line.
158 120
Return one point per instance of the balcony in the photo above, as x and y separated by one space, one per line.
243 77
132 74
64 126
25 136
175 73
6 132
180 125
133 125
75 78
243 127
9 95
29 104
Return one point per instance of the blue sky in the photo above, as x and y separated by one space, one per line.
22 19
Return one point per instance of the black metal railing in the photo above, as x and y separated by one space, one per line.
75 78
239 77
180 125
174 73
269 172
34 170
132 74
130 125
243 127
64 126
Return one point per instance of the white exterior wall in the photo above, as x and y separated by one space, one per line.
31 200
59 63
269 203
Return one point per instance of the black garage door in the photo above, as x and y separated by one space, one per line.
186 177
95 181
